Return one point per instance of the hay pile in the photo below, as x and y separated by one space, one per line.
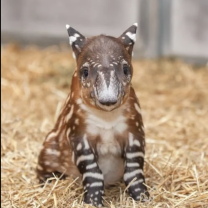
174 99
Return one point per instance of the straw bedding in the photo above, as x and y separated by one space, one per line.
174 100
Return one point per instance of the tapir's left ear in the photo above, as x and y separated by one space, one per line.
128 38
76 40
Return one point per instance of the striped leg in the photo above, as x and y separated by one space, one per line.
93 180
134 162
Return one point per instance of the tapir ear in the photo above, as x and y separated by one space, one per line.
76 40
128 38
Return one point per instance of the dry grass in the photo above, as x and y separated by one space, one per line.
174 98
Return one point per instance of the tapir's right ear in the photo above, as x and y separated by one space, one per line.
76 40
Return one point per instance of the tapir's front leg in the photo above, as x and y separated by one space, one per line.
86 161
134 162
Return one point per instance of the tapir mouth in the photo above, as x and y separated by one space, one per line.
107 90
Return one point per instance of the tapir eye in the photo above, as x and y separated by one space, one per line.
85 72
126 69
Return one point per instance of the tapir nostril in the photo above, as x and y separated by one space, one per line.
109 102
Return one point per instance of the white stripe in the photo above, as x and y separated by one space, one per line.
137 143
143 128
132 36
68 116
133 141
96 184
91 166
135 154
138 189
73 157
68 132
93 175
137 108
137 182
51 135
79 146
86 144
132 174
130 165
85 157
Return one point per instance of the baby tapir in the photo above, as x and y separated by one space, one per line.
99 135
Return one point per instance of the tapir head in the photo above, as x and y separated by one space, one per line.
104 67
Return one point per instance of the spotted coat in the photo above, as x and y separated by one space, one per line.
99 135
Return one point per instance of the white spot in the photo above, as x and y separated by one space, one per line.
92 175
79 101
52 152
137 108
99 65
75 73
79 146
67 27
47 163
91 166
132 174
137 182
135 154
132 36
66 164
40 167
95 198
111 64
135 24
69 115
77 121
137 124
54 165
84 157
123 37
91 195
97 192
73 38
130 165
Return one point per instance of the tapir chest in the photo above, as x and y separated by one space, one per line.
108 148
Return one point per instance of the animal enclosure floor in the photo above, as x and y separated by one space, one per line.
174 100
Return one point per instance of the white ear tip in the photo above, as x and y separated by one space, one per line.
67 27
136 24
